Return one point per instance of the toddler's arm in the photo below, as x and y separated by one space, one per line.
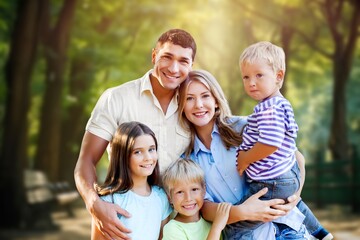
257 152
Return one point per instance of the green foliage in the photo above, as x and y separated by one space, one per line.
113 41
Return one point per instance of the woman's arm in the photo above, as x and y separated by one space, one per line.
252 209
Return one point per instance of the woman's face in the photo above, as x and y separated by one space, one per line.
200 105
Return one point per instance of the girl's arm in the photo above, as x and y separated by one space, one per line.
221 218
163 222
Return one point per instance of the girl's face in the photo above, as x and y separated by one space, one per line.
260 80
187 199
143 157
200 105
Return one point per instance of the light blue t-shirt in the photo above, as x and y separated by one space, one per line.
147 212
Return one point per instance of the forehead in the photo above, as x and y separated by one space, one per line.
144 140
186 185
178 51
196 86
259 64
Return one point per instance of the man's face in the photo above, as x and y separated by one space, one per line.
172 64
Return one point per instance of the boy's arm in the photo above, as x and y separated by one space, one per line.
257 152
219 223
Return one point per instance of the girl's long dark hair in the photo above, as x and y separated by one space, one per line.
118 178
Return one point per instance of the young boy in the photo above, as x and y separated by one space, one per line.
267 153
184 184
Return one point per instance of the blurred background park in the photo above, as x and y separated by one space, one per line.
58 56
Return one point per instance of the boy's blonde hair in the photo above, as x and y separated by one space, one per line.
274 55
182 170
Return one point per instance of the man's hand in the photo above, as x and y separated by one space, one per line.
105 217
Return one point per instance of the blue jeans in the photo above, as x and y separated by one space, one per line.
281 187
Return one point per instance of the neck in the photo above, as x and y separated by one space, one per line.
204 133
141 186
162 94
187 219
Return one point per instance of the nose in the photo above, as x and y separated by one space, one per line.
174 66
147 156
252 82
199 103
187 196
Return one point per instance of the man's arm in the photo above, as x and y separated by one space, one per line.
104 214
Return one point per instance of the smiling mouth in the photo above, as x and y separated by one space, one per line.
171 77
146 165
200 114
190 207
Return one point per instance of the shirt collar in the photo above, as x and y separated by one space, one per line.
146 83
198 145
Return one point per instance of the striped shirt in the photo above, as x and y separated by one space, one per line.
272 123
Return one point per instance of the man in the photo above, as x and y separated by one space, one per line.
151 100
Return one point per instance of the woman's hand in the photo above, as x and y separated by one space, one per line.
292 202
254 209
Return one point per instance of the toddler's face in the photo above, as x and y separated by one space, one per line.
260 81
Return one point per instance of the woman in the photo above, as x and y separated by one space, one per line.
215 136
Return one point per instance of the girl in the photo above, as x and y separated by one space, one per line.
131 182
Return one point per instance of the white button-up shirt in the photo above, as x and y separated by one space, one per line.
135 101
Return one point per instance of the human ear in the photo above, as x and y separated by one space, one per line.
153 55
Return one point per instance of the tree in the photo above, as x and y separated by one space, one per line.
55 42
14 149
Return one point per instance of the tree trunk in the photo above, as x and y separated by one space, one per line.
55 44
17 72
74 121
342 63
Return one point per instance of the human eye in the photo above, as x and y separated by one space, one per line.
195 189
136 152
189 98
206 95
152 149
259 75
245 77
184 61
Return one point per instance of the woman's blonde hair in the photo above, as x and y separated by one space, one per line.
229 136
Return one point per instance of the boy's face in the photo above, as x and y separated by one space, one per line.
172 64
187 199
260 81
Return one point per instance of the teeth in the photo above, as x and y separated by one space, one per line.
200 114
